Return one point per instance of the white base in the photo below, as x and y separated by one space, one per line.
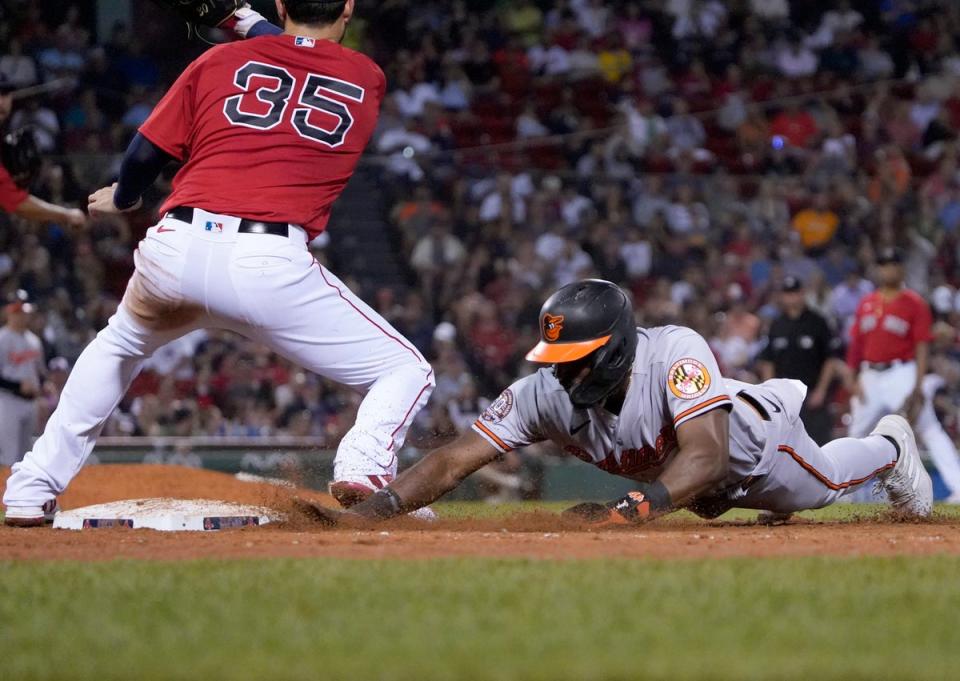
164 514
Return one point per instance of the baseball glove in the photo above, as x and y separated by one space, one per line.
20 156
209 13
628 510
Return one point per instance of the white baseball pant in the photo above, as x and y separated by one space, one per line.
939 446
794 472
265 287
883 392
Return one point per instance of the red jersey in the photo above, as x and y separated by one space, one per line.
11 196
269 128
888 330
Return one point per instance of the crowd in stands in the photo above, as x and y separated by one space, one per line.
694 151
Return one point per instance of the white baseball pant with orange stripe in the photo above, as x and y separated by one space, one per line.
794 473
269 288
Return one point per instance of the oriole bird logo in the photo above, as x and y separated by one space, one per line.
552 325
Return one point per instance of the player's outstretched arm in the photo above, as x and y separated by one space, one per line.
430 478
38 210
142 162
701 463
703 459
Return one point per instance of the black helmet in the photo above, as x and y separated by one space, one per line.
589 316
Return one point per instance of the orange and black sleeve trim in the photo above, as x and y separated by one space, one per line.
701 408
491 437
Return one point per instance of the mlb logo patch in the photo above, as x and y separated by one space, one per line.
214 227
303 41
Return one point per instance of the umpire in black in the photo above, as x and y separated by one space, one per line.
801 345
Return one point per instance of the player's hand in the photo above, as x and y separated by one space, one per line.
330 517
101 201
322 515
76 217
29 388
628 510
210 13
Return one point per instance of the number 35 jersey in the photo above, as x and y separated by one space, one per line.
269 128
675 378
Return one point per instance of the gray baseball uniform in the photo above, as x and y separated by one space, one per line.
21 356
774 464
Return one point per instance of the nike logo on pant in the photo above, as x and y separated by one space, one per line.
576 429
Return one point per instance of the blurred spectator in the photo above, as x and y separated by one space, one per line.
18 68
816 224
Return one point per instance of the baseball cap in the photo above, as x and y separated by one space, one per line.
889 256
791 284
6 86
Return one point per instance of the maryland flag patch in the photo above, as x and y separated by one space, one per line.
688 379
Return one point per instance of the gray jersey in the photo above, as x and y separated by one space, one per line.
675 378
21 356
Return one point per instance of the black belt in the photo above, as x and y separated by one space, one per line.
883 366
185 214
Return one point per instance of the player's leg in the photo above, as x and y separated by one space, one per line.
151 314
10 428
870 407
803 475
305 313
941 450
99 379
28 425
810 476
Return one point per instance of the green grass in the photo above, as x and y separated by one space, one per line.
812 618
842 512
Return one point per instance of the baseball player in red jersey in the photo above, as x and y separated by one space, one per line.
16 199
889 347
269 131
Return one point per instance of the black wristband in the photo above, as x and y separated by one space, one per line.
658 496
382 504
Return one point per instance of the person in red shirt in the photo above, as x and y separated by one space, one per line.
269 131
18 200
889 347
795 125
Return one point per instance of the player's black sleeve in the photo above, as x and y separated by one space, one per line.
142 162
263 28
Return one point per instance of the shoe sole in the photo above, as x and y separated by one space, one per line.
349 494
26 522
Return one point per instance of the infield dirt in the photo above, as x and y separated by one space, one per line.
528 535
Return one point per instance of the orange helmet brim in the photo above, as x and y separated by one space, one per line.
557 353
